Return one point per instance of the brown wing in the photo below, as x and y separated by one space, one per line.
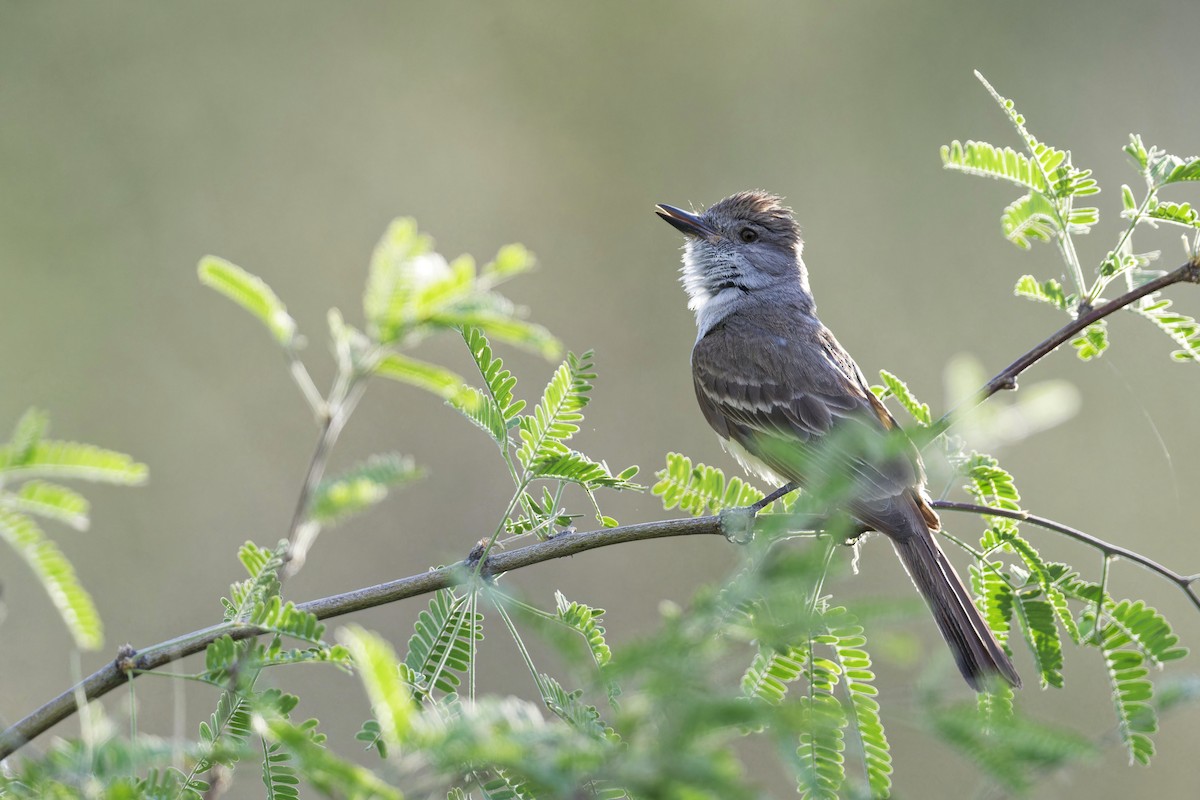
780 394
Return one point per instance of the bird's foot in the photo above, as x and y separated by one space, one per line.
737 524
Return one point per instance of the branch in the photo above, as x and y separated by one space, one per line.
1007 378
130 663
1184 582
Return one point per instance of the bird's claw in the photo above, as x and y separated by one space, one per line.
737 524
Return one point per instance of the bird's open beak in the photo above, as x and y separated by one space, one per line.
691 224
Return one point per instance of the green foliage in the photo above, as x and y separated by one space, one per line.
848 641
413 291
574 467
327 773
701 489
1184 330
442 643
1012 749
1046 213
391 700
251 293
494 411
30 458
588 622
56 575
430 377
254 592
556 418
894 387
990 484
1049 291
1092 342
361 487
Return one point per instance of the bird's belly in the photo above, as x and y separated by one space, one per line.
752 464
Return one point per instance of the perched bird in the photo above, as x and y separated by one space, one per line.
776 386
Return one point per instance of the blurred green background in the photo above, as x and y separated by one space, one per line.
137 137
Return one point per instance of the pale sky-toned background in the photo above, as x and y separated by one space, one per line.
137 137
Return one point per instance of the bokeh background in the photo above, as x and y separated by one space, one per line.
137 137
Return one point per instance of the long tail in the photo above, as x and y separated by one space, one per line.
975 649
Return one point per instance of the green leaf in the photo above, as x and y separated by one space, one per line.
507 328
1029 218
480 409
512 260
849 646
443 640
1163 168
1174 213
1128 202
30 429
56 575
702 489
1060 177
507 785
58 459
1131 693
989 161
431 377
361 487
1010 749
568 707
279 776
575 467
1041 633
1136 150
822 742
588 622
894 387
1049 291
391 702
324 771
556 418
263 566
771 671
395 272
413 291
494 411
50 500
1092 341
252 294
1146 629
995 598
990 484
372 735
1184 330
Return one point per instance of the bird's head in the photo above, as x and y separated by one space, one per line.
744 244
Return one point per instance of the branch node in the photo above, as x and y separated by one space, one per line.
126 660
1192 269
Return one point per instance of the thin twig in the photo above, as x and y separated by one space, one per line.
1007 378
1184 582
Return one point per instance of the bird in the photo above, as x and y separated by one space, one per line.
783 395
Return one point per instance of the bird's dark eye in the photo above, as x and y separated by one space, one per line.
748 235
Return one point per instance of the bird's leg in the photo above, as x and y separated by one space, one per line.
737 524
786 489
